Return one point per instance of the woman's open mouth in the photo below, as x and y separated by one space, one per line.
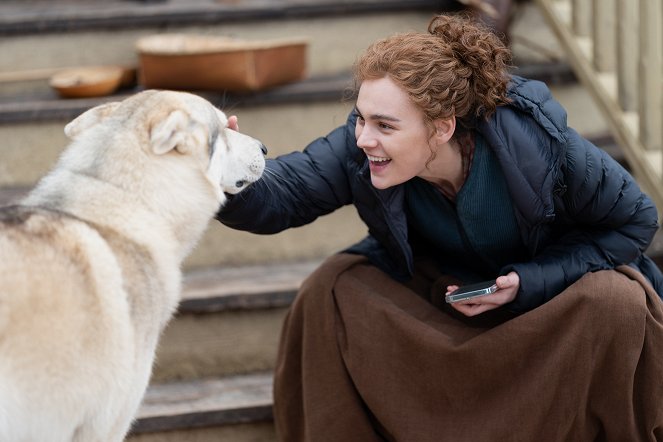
378 161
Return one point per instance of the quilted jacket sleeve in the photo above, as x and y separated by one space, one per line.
295 188
605 218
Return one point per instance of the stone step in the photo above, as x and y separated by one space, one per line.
194 395
47 106
232 409
212 290
229 320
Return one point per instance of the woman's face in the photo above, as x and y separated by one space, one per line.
391 132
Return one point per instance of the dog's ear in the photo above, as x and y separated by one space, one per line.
88 119
170 132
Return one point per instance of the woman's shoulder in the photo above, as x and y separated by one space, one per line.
533 99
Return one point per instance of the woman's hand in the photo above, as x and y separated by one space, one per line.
507 288
233 123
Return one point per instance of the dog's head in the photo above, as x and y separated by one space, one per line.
180 128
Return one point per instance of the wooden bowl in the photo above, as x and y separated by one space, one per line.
93 81
200 62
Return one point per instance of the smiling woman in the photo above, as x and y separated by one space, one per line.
464 174
395 141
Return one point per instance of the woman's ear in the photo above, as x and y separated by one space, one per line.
444 129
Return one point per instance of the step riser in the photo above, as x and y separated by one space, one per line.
224 246
333 43
28 151
218 344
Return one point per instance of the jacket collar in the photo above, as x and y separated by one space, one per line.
530 157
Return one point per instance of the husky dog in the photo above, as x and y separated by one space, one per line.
90 260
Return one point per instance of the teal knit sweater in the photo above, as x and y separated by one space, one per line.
478 235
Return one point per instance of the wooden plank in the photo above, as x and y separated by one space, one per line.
582 18
28 75
53 108
211 282
205 402
250 286
603 35
651 73
627 54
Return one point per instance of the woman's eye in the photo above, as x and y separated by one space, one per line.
384 126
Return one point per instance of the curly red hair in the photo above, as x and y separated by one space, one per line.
459 68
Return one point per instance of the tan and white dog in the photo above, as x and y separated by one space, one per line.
90 260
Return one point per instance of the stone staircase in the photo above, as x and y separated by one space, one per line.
213 373
212 378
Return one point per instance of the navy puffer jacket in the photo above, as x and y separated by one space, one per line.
578 210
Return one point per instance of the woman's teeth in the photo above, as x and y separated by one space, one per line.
377 159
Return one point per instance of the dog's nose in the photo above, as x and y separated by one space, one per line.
263 148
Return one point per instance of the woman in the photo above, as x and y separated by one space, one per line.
463 174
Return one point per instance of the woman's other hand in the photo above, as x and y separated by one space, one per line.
233 123
507 288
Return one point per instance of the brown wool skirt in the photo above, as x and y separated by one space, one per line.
364 358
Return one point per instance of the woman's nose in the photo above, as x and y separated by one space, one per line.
365 139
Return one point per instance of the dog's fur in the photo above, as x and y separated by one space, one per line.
90 260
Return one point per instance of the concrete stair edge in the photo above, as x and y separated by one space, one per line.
52 108
198 403
271 285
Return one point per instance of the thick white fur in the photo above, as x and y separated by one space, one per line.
90 261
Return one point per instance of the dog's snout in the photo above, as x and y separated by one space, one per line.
263 148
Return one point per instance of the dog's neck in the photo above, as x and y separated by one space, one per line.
133 220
